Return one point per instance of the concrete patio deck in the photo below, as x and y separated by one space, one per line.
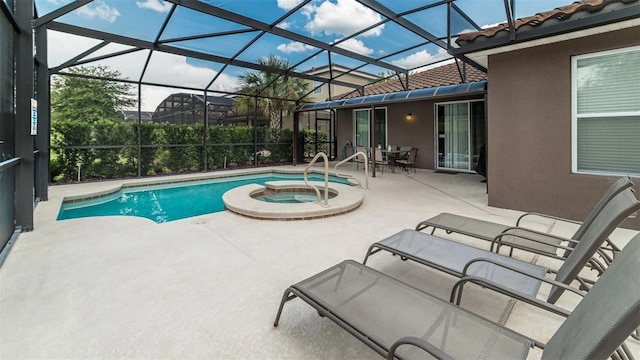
209 286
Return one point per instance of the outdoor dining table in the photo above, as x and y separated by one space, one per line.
392 156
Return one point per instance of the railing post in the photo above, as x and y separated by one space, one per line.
23 139
44 117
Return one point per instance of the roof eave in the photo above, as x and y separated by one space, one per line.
569 29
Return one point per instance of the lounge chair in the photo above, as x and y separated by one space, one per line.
545 244
505 274
400 321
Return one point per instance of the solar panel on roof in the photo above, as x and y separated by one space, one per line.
354 101
373 98
403 95
422 93
451 89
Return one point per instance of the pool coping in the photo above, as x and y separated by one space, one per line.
240 201
137 183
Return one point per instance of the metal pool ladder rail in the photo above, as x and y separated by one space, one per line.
326 178
366 170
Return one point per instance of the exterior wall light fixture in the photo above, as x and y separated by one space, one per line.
409 117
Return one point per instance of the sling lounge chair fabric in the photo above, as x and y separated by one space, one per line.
451 257
606 316
379 310
545 244
384 313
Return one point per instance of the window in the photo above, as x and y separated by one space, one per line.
362 136
606 112
317 87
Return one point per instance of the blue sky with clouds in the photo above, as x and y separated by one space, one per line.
328 21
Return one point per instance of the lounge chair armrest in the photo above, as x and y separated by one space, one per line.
456 291
456 294
520 271
508 231
420 343
546 216
496 243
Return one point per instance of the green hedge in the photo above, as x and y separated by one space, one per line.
310 142
108 149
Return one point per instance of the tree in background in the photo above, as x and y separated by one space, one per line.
86 111
88 96
385 76
274 89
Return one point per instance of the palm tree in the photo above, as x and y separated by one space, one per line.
278 92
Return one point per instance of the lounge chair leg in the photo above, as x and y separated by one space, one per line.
370 252
286 297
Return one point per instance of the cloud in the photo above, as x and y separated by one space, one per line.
170 69
356 46
155 5
421 58
486 26
288 4
59 2
166 66
98 9
284 25
294 46
344 18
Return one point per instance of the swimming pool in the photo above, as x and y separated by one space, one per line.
168 202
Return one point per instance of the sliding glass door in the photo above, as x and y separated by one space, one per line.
362 135
460 134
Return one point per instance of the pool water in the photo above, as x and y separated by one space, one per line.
291 197
173 201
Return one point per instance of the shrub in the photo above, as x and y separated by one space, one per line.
112 151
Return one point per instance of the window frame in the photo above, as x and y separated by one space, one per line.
318 90
575 115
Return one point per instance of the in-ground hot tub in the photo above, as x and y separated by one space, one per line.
289 195
297 201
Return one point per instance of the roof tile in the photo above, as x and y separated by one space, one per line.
560 14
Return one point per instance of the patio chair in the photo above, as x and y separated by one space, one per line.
405 148
400 321
516 236
358 160
380 162
505 274
410 161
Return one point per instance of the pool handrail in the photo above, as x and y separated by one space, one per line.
366 170
326 178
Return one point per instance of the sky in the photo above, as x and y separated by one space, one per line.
328 21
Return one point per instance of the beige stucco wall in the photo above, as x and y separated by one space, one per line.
529 129
418 132
337 89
